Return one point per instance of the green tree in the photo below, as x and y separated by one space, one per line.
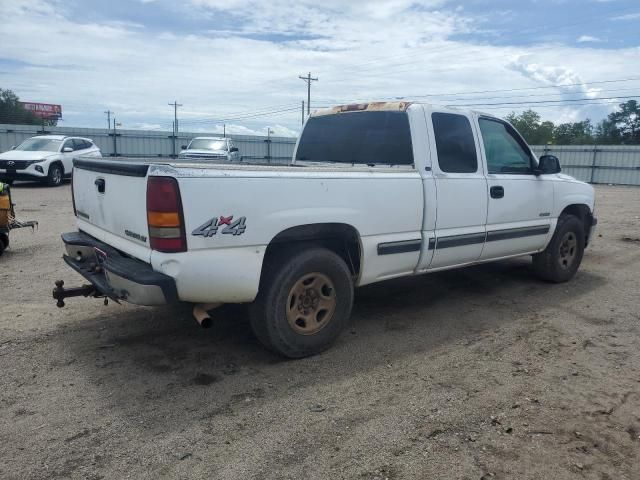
530 126
626 122
606 133
12 112
576 133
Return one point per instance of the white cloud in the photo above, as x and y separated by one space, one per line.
628 16
360 50
588 38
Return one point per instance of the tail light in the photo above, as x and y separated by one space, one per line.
164 215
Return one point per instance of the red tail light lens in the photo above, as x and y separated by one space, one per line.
164 215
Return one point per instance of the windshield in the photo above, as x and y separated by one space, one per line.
358 137
207 144
40 145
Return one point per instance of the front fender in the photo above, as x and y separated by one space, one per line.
573 193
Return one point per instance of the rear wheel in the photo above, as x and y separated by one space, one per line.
560 260
4 242
55 175
304 302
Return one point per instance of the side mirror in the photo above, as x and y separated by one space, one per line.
548 164
13 147
183 147
67 149
233 149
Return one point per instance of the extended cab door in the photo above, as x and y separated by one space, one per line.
461 189
520 203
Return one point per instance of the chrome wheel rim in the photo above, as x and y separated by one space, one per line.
57 175
567 250
311 303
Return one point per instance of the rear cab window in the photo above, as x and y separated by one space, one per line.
455 143
371 138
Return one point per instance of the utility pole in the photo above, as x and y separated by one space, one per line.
269 132
224 130
302 122
308 79
115 145
109 112
175 105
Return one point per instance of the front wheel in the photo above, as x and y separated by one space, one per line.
304 302
55 175
559 262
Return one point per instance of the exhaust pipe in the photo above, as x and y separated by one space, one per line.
201 313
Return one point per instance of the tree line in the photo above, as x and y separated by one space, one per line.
621 127
12 112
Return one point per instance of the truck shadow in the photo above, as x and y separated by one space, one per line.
158 362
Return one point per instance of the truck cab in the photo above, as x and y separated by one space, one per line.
211 148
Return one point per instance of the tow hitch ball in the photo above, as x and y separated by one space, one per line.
60 293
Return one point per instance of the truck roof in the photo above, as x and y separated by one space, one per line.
383 106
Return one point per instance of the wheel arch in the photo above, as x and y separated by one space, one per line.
56 161
583 213
341 238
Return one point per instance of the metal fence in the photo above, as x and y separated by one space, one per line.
591 163
151 143
615 164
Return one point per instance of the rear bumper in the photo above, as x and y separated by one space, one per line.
115 275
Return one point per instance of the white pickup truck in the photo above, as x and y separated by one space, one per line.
375 191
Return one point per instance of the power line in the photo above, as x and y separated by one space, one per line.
630 79
240 117
245 112
542 101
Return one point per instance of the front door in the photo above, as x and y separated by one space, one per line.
520 203
461 189
67 157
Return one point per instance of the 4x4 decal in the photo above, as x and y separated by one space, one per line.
231 226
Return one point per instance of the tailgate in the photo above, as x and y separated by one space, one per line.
111 204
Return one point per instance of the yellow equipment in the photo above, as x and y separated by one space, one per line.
8 221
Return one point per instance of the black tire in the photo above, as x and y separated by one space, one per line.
559 262
55 175
277 302
4 242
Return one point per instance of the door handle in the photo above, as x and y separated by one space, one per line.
496 191
100 184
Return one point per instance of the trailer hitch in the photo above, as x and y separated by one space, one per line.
60 293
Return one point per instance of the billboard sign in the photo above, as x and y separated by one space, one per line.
43 110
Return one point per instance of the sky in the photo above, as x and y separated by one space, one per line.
237 62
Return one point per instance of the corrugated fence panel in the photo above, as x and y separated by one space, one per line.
597 164
151 143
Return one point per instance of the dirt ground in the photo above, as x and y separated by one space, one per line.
477 373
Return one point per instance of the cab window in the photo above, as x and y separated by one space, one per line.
504 149
454 143
79 144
